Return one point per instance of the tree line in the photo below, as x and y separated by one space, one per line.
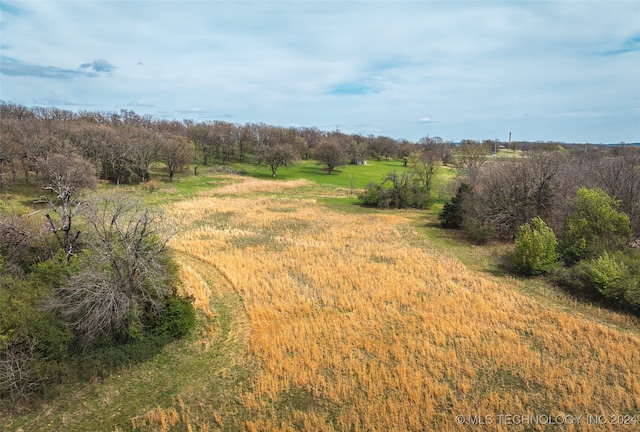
572 211
121 146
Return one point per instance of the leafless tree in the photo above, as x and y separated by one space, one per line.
199 134
617 172
65 176
470 156
330 153
423 165
357 151
246 140
275 149
382 146
144 147
18 375
124 276
404 150
175 151
9 148
312 137
223 140
115 151
508 193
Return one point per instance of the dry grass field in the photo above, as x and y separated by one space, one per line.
356 323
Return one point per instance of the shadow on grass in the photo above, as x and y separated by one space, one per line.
105 361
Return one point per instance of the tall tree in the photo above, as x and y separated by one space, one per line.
470 156
65 176
275 149
330 153
175 151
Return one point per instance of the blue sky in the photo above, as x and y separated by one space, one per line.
543 70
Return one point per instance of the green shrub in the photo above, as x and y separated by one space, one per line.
34 344
535 248
594 225
477 232
616 276
607 275
371 194
396 191
179 317
613 277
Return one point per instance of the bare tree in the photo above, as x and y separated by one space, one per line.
312 137
144 149
275 149
509 193
246 140
422 165
617 172
470 157
223 139
404 150
199 134
382 146
9 148
175 151
115 151
330 153
125 274
65 176
357 151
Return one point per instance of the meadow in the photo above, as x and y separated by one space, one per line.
318 314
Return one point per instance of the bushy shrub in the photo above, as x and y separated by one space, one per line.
612 277
396 191
371 194
179 317
607 275
535 248
34 344
594 225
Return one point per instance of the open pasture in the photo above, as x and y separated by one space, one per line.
324 317
357 323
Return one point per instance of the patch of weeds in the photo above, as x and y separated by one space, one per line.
383 260
254 240
290 225
508 380
221 220
282 209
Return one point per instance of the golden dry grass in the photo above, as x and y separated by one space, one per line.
354 326
244 185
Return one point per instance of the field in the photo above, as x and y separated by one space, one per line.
333 317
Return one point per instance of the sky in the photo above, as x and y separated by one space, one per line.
540 70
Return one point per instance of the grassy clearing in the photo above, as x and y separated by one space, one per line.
318 314
347 176
357 324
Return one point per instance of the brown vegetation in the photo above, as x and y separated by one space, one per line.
356 324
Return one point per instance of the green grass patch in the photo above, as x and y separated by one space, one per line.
346 176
